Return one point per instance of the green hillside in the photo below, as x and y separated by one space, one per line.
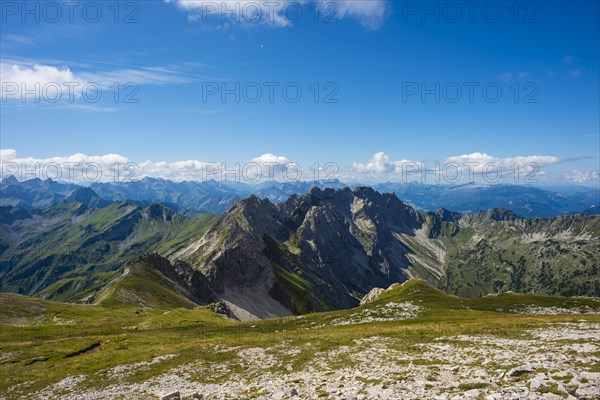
144 286
68 252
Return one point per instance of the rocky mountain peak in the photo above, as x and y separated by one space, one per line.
447 216
495 214
88 197
10 180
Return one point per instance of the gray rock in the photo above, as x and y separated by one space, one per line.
522 370
172 396
591 376
371 296
588 391
220 308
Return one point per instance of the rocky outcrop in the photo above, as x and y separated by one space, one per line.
376 293
371 296
220 307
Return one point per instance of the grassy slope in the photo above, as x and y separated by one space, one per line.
145 286
69 258
40 352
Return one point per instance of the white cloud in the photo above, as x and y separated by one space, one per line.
583 177
270 158
282 13
41 74
380 163
271 167
74 168
24 82
453 169
37 82
82 168
370 13
481 160
7 154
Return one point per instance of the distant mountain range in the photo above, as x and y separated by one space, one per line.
193 198
525 201
324 249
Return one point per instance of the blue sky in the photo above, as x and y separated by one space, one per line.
370 59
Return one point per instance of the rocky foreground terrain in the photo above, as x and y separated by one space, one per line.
557 362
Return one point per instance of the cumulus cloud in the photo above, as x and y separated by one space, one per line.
271 167
82 168
480 161
380 163
269 158
282 13
74 168
452 169
7 154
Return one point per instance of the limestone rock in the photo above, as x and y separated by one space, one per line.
371 296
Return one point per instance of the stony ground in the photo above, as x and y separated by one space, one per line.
557 362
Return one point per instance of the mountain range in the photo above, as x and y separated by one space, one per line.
321 250
194 198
